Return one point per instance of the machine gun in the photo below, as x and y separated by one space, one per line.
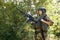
29 17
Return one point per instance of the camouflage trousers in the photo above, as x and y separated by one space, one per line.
38 35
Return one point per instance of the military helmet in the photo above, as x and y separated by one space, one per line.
42 9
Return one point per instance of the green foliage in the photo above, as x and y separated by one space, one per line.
54 16
12 22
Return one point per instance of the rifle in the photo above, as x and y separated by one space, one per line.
32 19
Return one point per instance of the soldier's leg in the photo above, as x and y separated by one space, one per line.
47 36
39 36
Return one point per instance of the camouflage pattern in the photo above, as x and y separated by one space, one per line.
38 29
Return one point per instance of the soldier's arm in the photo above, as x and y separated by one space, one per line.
49 23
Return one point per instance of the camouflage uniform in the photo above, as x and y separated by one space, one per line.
38 29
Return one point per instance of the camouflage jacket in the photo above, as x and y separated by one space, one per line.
42 25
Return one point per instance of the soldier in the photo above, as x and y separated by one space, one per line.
42 26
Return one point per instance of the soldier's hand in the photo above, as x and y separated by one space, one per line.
42 20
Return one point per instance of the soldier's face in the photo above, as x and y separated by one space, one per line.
40 12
